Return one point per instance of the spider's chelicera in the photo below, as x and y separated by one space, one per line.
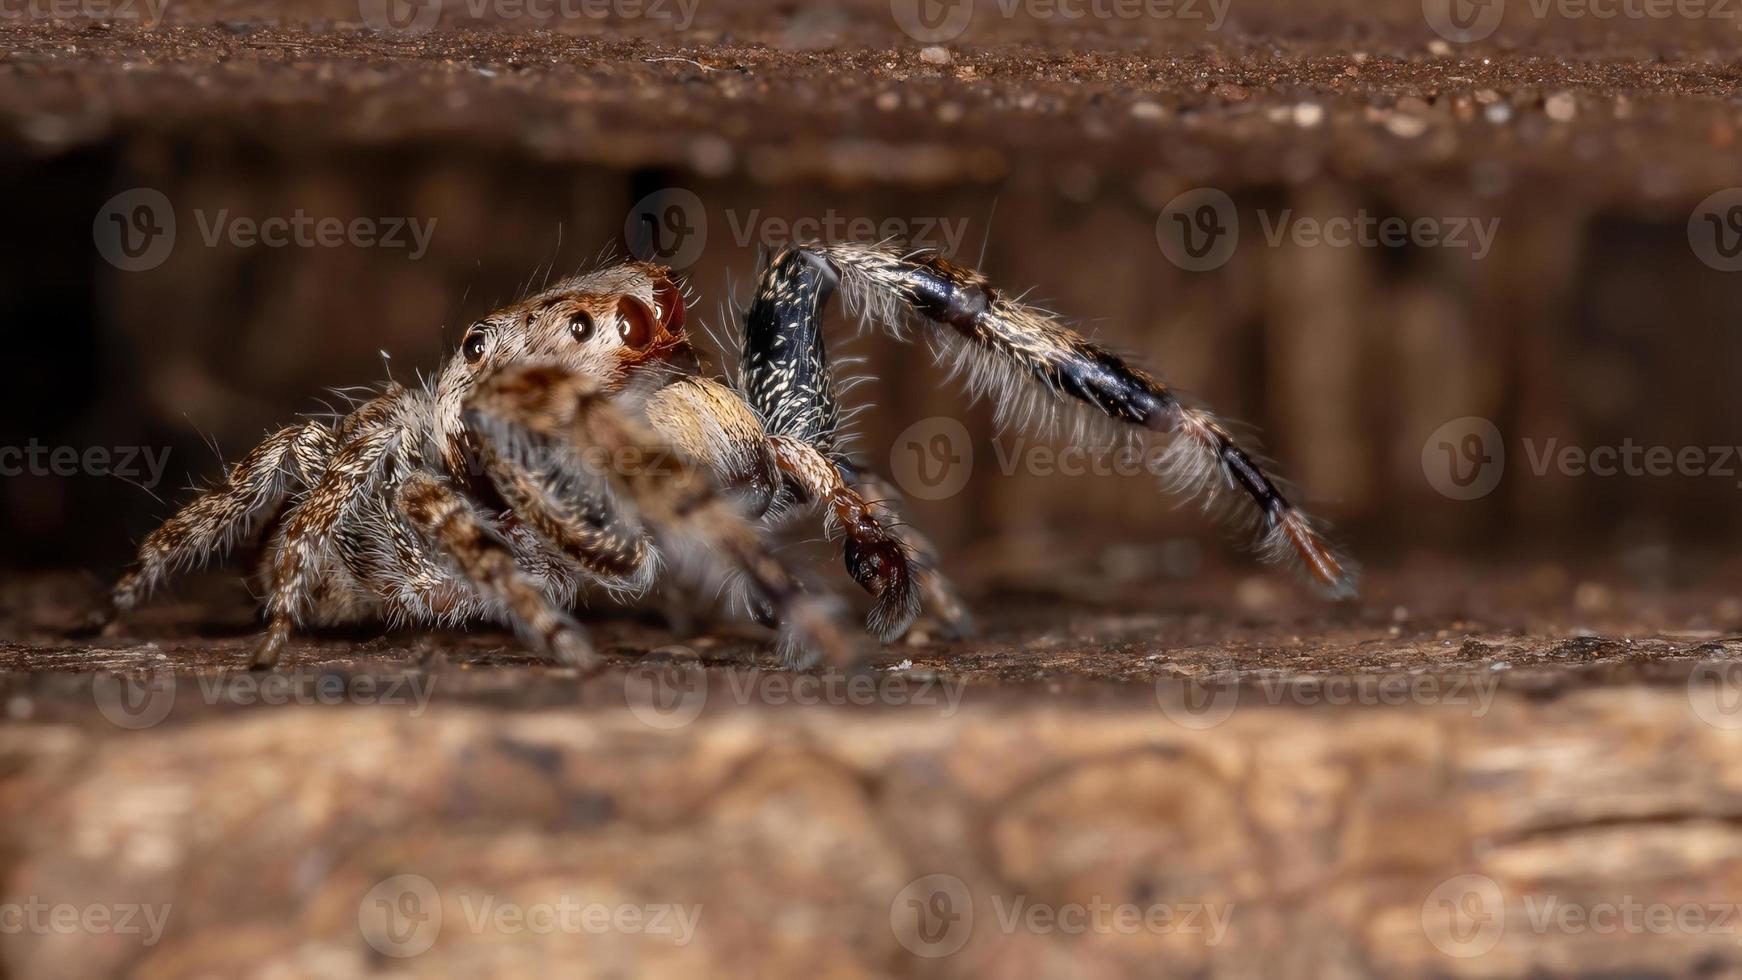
575 441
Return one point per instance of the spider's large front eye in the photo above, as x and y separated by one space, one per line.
473 346
635 324
581 326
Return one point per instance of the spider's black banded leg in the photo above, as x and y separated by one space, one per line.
254 487
785 371
787 380
1015 352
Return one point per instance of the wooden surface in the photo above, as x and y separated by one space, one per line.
1300 797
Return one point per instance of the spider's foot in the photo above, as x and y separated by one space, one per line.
271 647
942 601
98 621
812 636
762 611
105 620
570 648
884 569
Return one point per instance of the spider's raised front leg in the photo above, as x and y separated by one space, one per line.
1027 360
254 488
788 381
673 497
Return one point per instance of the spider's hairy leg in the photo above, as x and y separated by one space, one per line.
712 423
940 596
449 522
789 382
672 494
876 558
208 525
1003 343
592 533
353 473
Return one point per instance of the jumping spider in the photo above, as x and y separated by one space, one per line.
574 439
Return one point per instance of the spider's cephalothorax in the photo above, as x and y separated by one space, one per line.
573 440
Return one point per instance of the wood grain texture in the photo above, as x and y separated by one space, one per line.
1235 790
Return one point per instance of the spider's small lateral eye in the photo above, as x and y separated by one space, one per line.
581 326
473 346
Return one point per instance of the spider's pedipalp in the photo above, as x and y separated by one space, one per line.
1002 343
939 594
449 522
672 495
878 559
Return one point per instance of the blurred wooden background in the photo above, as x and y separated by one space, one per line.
1580 326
